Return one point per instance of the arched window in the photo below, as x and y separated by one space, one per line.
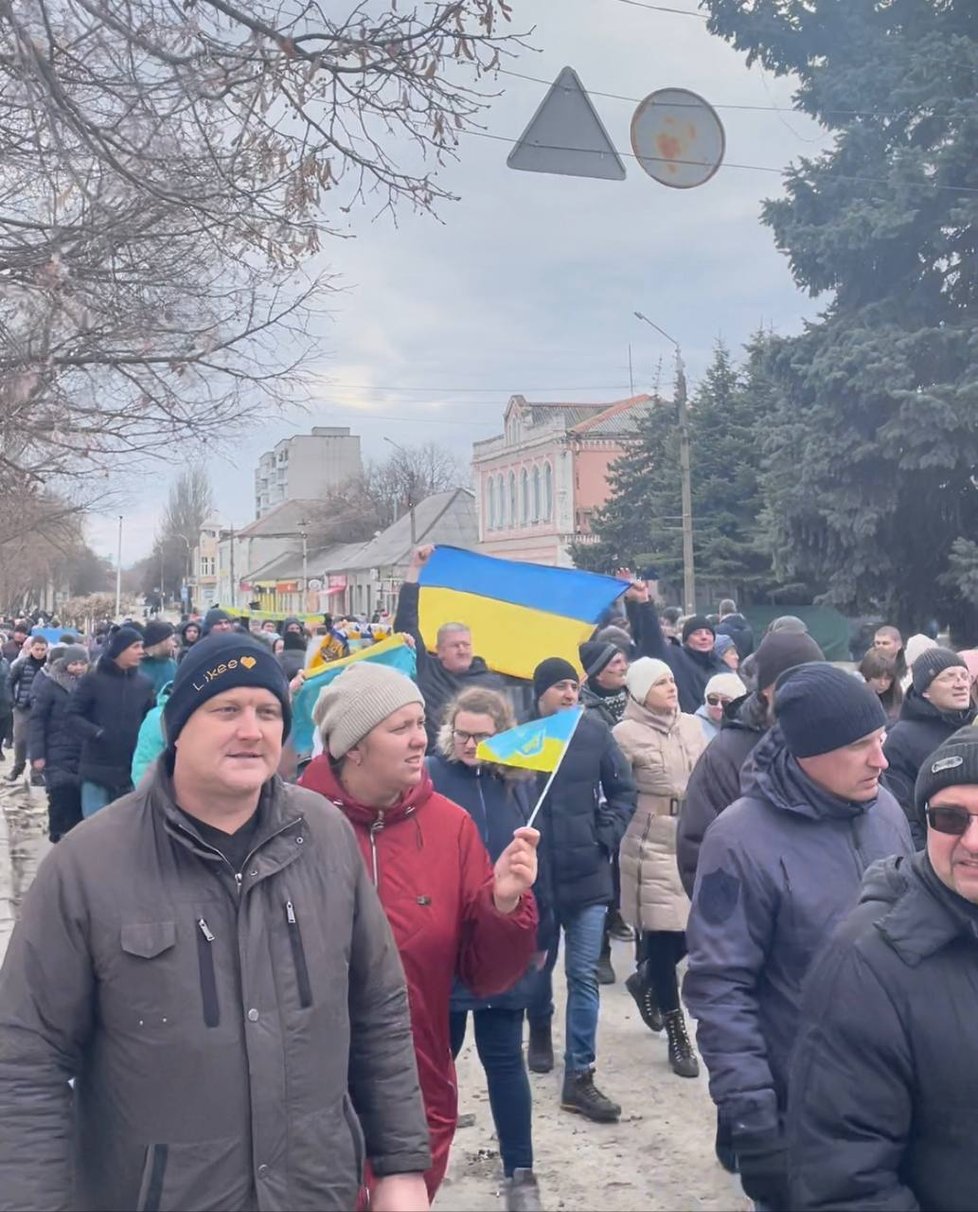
512 500
536 515
524 497
548 492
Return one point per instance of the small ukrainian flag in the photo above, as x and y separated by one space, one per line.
538 745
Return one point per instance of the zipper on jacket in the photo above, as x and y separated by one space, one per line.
208 977
298 956
375 828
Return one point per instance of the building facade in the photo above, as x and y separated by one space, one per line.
307 466
204 581
538 483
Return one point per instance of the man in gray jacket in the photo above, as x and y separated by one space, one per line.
777 870
208 962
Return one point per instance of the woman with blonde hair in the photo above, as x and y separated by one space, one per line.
451 912
663 745
499 801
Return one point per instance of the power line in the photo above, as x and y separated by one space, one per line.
757 168
663 8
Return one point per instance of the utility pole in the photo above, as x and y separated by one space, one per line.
234 596
118 574
682 408
304 535
412 481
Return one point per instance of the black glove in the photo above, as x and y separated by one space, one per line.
763 1163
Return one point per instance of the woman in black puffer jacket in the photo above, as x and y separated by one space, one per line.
54 746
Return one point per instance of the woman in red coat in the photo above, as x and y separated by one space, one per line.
451 912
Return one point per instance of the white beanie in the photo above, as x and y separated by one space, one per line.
642 676
354 703
727 684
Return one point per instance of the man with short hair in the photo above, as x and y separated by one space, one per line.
18 638
888 641
733 624
22 674
777 870
582 821
106 711
936 705
882 1090
452 667
208 961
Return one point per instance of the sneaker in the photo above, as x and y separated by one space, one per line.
580 1094
540 1051
681 1054
641 991
619 929
522 1193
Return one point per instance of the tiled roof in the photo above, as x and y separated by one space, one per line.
617 419
445 517
283 519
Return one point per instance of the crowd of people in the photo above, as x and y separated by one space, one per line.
241 984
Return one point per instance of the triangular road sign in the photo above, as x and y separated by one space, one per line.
566 136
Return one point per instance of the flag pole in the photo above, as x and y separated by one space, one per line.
553 773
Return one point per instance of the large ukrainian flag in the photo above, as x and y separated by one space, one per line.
538 745
519 614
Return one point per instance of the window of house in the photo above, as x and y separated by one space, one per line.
512 499
524 497
548 492
500 502
536 495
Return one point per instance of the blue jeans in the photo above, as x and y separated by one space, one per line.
583 931
94 797
499 1042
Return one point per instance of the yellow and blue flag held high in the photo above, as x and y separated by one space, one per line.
538 745
518 613
395 652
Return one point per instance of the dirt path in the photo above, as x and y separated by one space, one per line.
659 1157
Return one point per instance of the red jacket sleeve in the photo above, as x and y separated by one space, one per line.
496 948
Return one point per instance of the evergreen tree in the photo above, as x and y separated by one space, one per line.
872 449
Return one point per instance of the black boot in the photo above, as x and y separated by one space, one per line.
606 974
681 1054
618 928
639 986
15 774
540 1051
581 1095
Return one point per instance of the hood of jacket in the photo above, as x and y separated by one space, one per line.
776 777
749 712
922 914
917 708
320 776
64 679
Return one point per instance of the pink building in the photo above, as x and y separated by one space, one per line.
538 483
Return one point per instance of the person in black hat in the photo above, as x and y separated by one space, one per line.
106 711
777 870
936 705
693 662
886 1062
582 822
158 662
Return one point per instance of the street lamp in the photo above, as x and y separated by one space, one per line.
304 536
689 571
411 493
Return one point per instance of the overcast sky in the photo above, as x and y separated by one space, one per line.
529 283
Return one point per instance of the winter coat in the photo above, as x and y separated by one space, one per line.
609 708
22 677
740 631
434 879
921 729
6 700
692 670
709 726
49 735
292 660
886 1043
437 685
159 670
106 711
584 817
150 743
777 870
499 804
233 1048
662 750
715 781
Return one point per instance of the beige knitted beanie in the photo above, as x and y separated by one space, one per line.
358 700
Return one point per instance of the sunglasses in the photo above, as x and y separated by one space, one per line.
478 737
950 820
715 700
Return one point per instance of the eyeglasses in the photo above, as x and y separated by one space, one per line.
950 820
715 700
464 737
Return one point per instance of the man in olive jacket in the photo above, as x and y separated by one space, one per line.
207 960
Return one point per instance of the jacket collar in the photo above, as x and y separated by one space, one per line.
651 719
781 781
926 915
320 776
